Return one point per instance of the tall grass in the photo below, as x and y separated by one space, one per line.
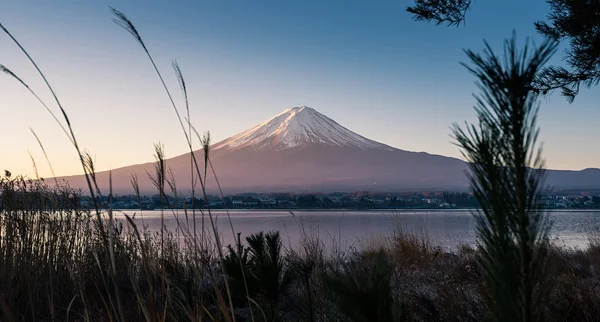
121 19
55 266
61 261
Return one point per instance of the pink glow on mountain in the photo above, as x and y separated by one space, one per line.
295 127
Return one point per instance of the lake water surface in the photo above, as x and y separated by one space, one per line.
445 228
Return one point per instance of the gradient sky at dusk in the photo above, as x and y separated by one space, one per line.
365 64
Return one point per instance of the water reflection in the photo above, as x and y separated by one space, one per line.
445 228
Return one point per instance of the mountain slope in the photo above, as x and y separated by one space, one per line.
296 127
301 149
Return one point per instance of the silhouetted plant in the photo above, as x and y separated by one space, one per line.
236 260
578 22
451 12
267 274
362 288
306 263
506 175
575 21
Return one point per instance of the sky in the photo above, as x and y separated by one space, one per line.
367 65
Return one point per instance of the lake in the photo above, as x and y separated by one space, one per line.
445 228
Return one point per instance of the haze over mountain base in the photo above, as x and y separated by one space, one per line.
302 150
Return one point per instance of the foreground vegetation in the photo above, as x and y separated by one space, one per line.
54 267
59 261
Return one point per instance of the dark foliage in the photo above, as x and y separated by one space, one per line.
574 21
577 22
267 276
451 12
506 178
362 288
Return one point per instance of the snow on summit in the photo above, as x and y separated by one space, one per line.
297 126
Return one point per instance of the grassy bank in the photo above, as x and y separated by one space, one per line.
63 262
54 267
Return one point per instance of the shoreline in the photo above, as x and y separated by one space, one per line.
356 210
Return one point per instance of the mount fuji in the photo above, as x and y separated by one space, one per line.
296 127
302 150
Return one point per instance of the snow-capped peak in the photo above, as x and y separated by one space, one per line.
297 126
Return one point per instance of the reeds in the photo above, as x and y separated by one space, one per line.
53 267
62 261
